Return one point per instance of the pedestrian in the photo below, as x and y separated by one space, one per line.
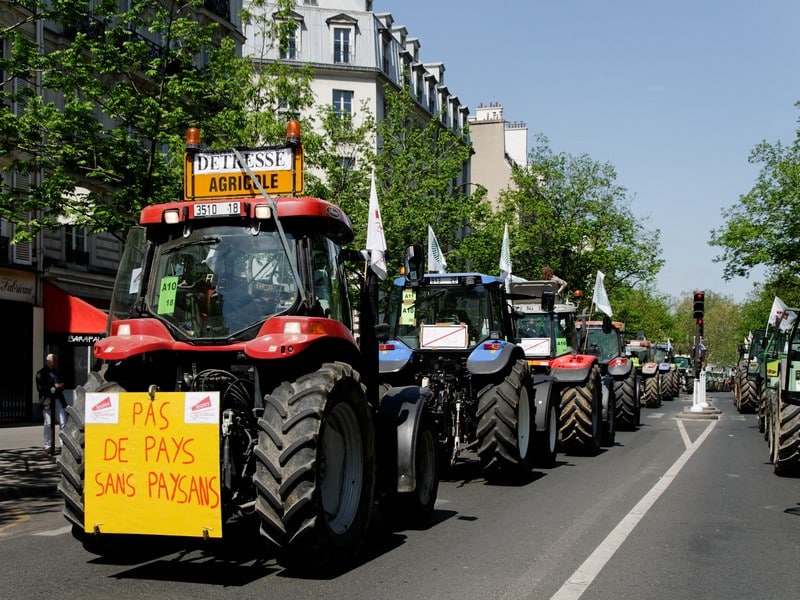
51 399
547 273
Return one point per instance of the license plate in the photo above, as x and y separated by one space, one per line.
216 209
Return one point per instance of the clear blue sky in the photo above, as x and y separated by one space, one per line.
674 94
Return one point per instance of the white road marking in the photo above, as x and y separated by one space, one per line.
686 441
582 578
55 532
655 415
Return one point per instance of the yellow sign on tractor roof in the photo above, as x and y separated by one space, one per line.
152 464
214 175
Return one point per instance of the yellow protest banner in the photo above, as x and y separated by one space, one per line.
152 464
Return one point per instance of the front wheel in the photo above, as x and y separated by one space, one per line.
546 442
609 427
415 508
315 472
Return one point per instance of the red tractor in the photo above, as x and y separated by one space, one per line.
235 304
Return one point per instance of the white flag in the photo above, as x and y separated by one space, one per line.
505 256
780 315
436 261
376 241
600 298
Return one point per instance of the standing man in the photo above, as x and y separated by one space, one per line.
52 400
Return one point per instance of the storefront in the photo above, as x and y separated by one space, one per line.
22 340
71 327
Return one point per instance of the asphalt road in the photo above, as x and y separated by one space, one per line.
677 509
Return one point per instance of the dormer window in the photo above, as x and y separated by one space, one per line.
341 45
343 30
289 45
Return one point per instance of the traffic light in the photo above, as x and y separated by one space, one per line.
699 304
700 327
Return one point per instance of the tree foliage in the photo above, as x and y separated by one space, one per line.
419 160
644 312
114 103
762 229
573 215
722 328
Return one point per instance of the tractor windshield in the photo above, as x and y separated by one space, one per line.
221 280
545 334
443 317
604 346
661 355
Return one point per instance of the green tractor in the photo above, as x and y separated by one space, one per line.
748 383
685 367
782 359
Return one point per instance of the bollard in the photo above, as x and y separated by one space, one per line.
699 398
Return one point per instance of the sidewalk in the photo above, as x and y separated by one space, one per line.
25 470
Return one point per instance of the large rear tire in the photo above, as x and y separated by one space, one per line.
786 448
315 471
664 388
652 399
581 416
625 402
71 463
748 399
506 424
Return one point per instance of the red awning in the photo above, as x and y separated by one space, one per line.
65 313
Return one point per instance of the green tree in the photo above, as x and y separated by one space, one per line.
572 214
644 311
113 107
417 164
722 330
762 229
344 158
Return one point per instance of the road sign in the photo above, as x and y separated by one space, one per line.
214 175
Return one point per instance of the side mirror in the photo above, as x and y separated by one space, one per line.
548 300
413 264
382 332
607 326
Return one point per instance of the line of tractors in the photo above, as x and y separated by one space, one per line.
233 309
766 384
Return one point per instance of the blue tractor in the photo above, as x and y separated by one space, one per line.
453 333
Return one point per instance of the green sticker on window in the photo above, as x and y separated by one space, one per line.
561 345
166 296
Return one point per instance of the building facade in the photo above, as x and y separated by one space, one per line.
498 145
355 53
